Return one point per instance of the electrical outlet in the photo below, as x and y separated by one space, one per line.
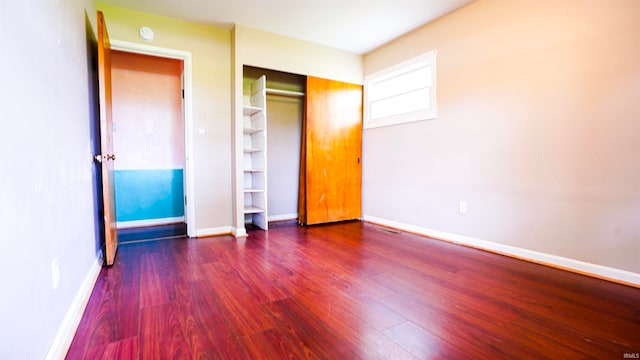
462 207
55 273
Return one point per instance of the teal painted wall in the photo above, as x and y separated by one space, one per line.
149 194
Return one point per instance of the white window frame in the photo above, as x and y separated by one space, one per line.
419 62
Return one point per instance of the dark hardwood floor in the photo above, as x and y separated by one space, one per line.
347 291
152 232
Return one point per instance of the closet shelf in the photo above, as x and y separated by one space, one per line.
254 146
253 210
252 130
250 110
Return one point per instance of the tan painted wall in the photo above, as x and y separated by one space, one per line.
538 129
276 52
210 48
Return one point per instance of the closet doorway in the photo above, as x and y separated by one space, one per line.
149 138
284 133
314 147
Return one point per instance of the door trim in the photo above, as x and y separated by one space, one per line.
187 78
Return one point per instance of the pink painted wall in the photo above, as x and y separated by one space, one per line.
147 112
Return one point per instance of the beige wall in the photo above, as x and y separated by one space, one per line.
276 52
538 129
210 49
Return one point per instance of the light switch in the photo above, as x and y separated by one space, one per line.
462 208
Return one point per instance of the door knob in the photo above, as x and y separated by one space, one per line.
100 158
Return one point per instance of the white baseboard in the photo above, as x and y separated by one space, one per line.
239 232
150 222
223 230
283 217
69 325
581 267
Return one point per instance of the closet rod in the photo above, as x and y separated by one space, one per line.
284 92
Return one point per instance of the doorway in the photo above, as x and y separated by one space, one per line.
148 133
187 108
285 110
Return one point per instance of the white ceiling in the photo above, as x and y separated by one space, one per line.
357 26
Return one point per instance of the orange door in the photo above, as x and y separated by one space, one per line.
106 141
331 172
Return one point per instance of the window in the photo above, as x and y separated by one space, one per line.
401 93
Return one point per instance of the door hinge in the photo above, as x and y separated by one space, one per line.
185 201
183 93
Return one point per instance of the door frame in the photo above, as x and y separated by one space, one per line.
187 111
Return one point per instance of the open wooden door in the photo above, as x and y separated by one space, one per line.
331 166
106 141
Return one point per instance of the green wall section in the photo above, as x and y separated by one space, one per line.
149 194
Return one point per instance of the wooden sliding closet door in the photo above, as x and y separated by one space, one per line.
331 169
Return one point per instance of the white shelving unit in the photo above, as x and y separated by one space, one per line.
255 154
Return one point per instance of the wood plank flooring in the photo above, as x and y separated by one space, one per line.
347 291
155 232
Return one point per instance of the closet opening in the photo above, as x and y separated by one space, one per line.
284 111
